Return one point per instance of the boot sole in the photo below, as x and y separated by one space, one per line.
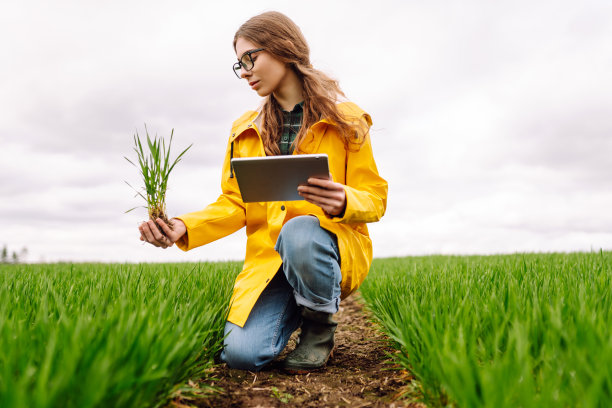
301 371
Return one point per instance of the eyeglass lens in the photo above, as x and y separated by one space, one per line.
245 62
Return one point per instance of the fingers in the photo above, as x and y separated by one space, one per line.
169 235
321 193
147 234
331 207
174 229
328 195
328 204
150 233
160 233
165 227
327 184
327 189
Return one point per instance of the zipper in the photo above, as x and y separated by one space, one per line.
231 157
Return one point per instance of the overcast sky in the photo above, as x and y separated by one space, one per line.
492 120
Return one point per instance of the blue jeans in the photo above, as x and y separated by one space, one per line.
311 278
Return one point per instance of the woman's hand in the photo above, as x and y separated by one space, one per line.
149 232
327 194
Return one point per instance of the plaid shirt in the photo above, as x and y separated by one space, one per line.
292 122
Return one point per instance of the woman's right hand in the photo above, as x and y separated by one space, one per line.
149 232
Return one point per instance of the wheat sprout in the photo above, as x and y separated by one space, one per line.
155 167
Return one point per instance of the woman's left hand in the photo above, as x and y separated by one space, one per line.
327 194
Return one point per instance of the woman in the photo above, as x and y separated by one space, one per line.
301 256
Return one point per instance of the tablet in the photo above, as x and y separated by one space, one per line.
276 178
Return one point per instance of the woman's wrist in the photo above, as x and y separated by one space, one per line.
178 226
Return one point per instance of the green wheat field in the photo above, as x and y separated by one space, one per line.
521 330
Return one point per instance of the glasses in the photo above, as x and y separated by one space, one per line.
246 62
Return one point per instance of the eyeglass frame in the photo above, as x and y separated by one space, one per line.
239 65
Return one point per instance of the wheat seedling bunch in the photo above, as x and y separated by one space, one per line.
155 167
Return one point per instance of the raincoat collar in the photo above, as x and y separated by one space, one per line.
249 119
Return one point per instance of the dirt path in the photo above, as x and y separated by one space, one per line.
359 374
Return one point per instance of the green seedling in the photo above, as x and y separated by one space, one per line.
519 330
281 396
111 335
155 167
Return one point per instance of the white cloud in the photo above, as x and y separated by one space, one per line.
491 119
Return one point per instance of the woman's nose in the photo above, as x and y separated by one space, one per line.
244 73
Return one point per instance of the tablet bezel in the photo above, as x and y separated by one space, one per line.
276 178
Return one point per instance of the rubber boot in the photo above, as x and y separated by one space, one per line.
315 344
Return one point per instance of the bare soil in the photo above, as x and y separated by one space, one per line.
360 374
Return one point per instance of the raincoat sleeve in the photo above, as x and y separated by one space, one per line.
219 219
366 191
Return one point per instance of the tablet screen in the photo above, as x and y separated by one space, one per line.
276 178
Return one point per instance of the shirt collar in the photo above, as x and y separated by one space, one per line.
297 108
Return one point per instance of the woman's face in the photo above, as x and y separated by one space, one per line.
268 73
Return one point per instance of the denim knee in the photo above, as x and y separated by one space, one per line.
241 354
296 240
311 263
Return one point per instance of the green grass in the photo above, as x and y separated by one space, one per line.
525 330
99 335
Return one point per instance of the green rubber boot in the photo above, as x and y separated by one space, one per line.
315 345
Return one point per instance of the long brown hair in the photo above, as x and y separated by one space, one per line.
281 37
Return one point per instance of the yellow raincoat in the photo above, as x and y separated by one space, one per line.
366 201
